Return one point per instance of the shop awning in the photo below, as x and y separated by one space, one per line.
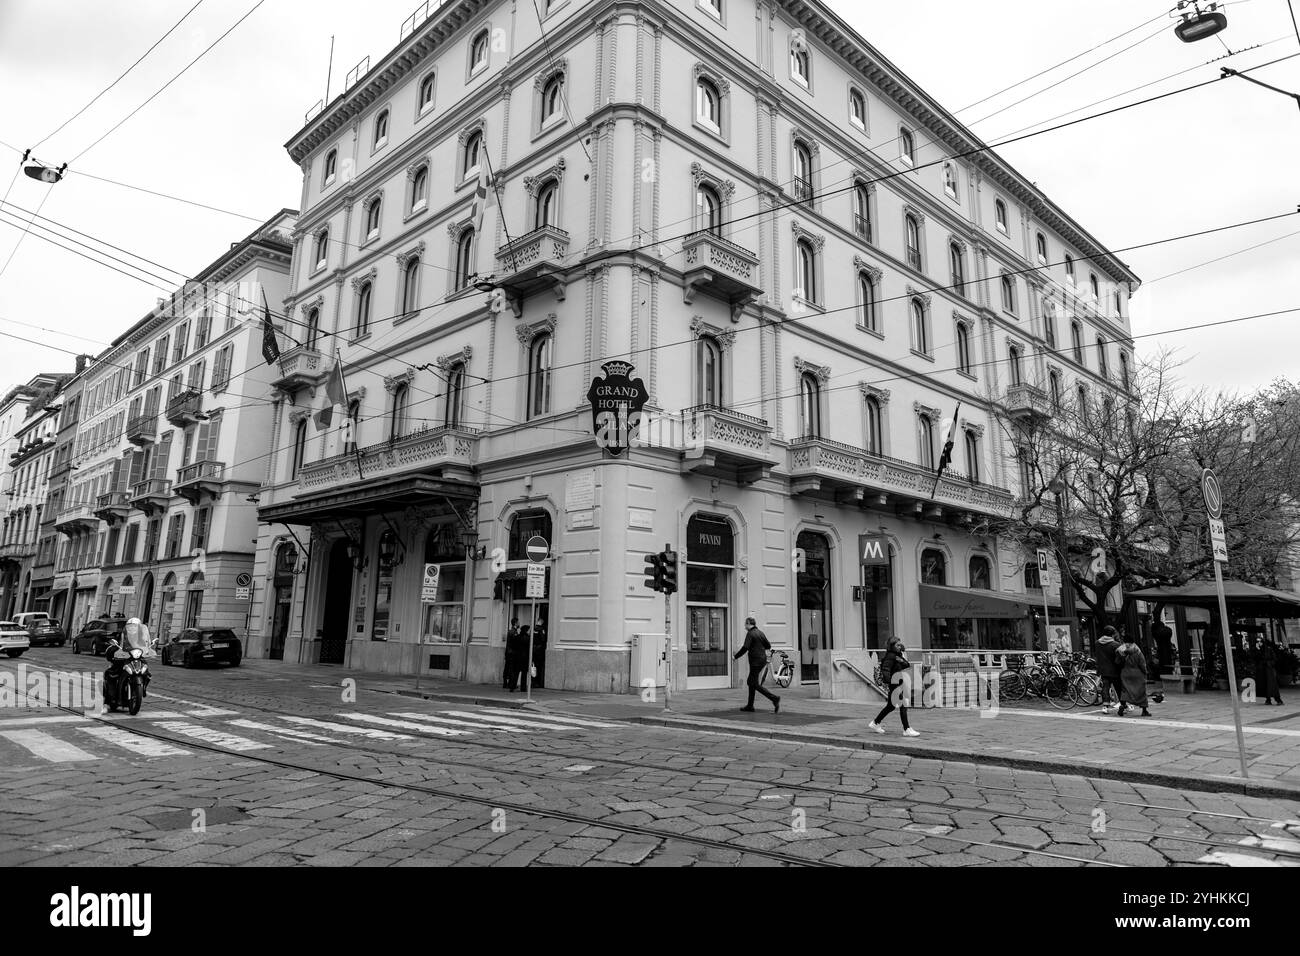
385 494
940 601
1246 600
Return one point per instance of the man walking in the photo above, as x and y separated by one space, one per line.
1107 667
756 646
512 638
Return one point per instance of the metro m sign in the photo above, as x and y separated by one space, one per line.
873 550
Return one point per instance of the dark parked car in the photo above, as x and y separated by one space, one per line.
47 630
194 646
94 637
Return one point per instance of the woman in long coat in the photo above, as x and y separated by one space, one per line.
1132 677
1266 673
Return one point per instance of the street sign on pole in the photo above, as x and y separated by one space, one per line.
429 588
242 594
1219 544
538 550
1044 581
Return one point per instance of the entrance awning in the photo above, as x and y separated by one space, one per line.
1247 600
384 494
940 601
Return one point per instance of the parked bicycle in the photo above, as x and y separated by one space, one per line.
1060 683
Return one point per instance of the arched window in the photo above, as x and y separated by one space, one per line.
1092 285
1008 294
351 426
708 104
1054 386
799 65
470 158
552 97
1049 323
925 440
858 109
963 347
1013 365
426 93
478 51
455 395
958 263
710 371
875 433
1123 369
980 578
548 197
1026 469
411 287
950 179
381 130
803 172
867 301
934 567
1069 268
464 270
1081 397
539 376
806 257
331 166
321 248
862 212
313 328
420 189
912 230
972 455
1118 310
907 147
364 295
523 526
1102 366
710 206
1076 340
372 217
810 393
1000 215
920 336
397 420
299 448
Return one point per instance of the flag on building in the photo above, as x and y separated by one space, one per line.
270 347
945 459
335 394
482 197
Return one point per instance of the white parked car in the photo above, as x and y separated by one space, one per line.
13 639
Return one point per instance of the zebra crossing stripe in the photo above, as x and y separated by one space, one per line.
484 724
1223 858
512 721
300 736
38 721
553 718
407 725
212 712
229 741
46 747
143 746
143 715
347 729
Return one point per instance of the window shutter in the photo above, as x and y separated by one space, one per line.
162 457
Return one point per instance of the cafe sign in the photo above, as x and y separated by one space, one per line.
616 403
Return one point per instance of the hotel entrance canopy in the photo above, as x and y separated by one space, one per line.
368 498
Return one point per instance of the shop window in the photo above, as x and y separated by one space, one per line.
388 560
522 527
814 591
934 567
443 619
980 577
710 550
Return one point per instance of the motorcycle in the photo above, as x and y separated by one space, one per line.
126 682
781 668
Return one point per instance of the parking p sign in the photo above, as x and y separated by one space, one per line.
429 589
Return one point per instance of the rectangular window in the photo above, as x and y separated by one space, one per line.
221 368
199 536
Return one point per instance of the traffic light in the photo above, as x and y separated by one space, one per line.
654 572
668 563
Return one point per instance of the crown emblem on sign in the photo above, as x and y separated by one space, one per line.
617 368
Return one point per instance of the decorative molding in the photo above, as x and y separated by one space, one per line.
299 416
712 75
454 358
357 395
526 333
821 372
963 320
305 308
478 126
909 209
556 172
725 187
558 67
415 252
959 243
422 163
912 293
862 265
807 139
973 428
363 278
700 328
926 411
391 382
801 233
455 229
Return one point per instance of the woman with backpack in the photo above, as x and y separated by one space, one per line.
894 662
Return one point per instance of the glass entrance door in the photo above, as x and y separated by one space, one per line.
814 602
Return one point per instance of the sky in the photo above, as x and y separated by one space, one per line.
1201 159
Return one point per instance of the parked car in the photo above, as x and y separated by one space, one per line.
44 630
94 637
13 639
196 645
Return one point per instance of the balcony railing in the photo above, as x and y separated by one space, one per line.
803 190
193 479
112 506
151 494
451 451
183 409
300 366
76 516
862 226
1029 401
720 268
720 442
532 263
17 550
142 429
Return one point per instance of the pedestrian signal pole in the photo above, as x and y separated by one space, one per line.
1219 550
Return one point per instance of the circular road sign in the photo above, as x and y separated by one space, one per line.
1213 496
537 548
243 580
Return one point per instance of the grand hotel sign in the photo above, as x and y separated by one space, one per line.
616 403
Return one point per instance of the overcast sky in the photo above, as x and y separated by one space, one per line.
1205 158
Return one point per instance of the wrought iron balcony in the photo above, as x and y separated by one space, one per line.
450 452
846 473
151 494
1028 402
803 191
184 408
300 367
721 269
722 443
142 429
194 479
862 226
531 263
112 506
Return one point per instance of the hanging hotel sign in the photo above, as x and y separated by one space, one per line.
616 403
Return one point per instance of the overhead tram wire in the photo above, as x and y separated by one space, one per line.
1295 26
14 251
121 77
93 249
159 91
564 97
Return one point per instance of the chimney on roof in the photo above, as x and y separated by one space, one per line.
81 363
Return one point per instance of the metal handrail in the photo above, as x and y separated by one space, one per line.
696 409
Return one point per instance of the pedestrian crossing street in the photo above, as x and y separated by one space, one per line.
68 738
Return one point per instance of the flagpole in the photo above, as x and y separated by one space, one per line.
347 410
501 213
946 456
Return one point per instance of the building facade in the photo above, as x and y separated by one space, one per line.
810 265
59 597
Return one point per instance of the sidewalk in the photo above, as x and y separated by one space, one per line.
1188 742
